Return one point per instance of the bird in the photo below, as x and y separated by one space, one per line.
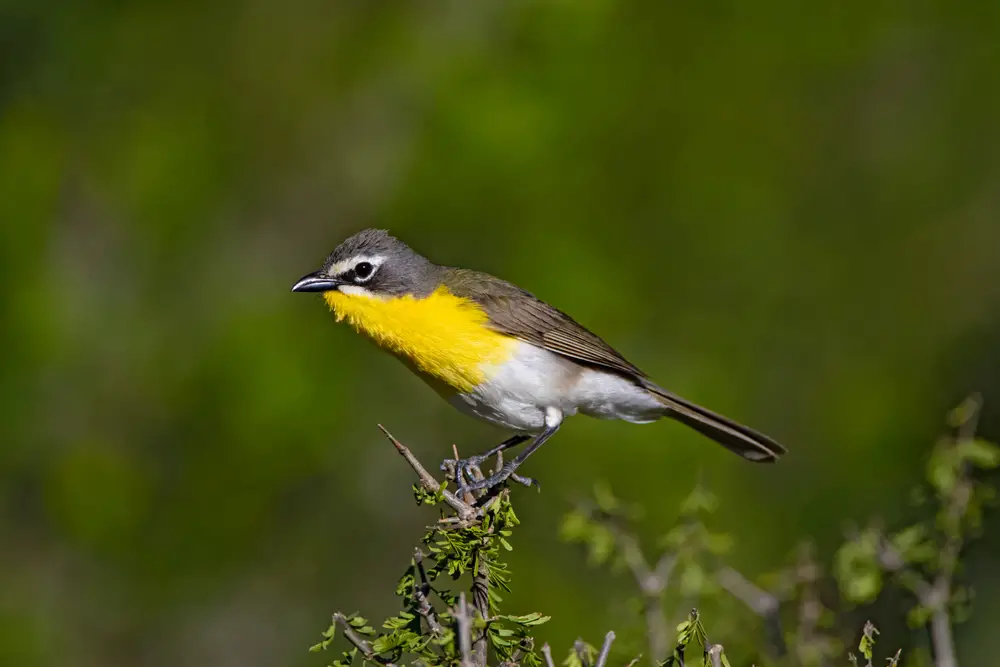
498 353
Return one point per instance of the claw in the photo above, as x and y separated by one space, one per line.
468 477
526 481
505 473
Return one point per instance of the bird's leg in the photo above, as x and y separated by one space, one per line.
507 471
464 467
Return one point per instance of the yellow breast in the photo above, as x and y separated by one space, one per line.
442 335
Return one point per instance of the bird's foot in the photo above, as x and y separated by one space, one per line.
465 470
469 477
505 473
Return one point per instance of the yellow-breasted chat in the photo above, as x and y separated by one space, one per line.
496 352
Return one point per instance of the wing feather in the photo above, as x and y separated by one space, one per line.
518 313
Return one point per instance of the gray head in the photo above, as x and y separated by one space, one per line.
373 263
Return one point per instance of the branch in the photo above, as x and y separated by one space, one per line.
518 654
714 654
547 652
602 657
351 635
955 510
652 582
465 511
581 651
464 631
481 602
420 592
762 603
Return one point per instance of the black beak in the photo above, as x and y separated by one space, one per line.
316 282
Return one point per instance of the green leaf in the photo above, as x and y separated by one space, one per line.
699 501
532 619
980 453
867 644
965 411
918 616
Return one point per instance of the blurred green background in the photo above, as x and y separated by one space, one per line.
787 211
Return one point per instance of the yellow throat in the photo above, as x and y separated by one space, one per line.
443 335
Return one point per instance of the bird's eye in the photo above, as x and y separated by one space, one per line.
363 270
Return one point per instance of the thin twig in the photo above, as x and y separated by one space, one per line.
955 509
634 661
602 657
362 644
465 511
515 658
420 591
481 604
936 594
547 653
757 599
652 583
581 651
761 602
418 560
464 631
714 654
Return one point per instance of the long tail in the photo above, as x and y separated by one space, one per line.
735 437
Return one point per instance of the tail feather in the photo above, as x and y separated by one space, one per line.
735 437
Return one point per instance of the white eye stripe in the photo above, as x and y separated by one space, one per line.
346 265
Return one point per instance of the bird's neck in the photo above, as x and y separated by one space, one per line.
442 335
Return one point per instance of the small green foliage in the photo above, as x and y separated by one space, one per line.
857 569
695 546
425 497
359 625
692 639
867 648
596 525
867 644
581 655
923 557
914 544
431 635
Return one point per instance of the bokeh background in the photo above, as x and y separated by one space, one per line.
787 211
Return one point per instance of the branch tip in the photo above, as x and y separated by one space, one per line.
547 653
602 657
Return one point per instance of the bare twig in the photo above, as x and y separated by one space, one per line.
935 594
761 602
652 583
938 598
481 603
581 651
547 653
465 511
464 619
634 661
756 598
714 654
420 591
418 560
602 657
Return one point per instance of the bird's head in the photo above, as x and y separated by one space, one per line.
373 264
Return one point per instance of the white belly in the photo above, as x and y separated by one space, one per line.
519 391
